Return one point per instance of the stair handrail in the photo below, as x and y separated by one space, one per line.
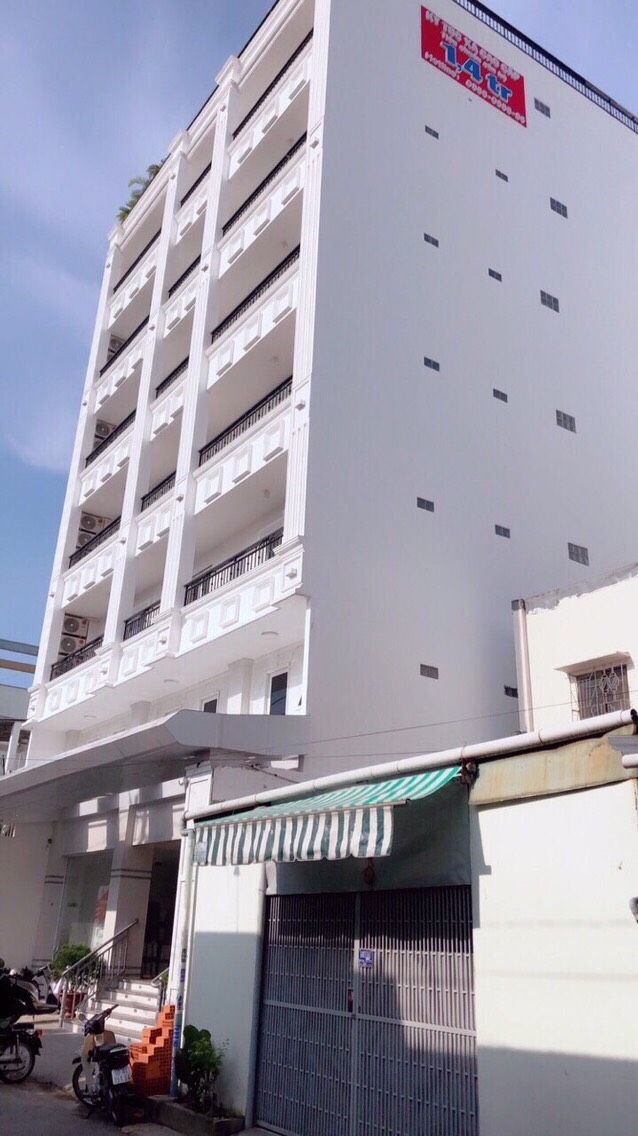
90 964
161 981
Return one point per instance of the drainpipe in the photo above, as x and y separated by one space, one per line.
252 1061
178 977
524 679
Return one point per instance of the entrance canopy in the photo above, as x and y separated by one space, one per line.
356 820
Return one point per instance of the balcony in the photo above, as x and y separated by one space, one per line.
123 347
263 185
198 181
140 256
255 295
70 662
231 569
271 86
112 437
170 379
134 280
241 425
158 492
184 277
95 542
141 620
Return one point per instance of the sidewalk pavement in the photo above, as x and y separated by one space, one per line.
53 1064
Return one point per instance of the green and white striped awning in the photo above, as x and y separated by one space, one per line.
354 821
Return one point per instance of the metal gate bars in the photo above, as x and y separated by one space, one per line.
367 1016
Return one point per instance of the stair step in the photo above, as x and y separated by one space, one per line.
138 985
125 998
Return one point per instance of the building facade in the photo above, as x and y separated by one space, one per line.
359 349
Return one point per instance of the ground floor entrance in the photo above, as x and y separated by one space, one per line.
367 1015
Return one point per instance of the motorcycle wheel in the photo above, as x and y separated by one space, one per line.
20 1071
114 1108
80 1087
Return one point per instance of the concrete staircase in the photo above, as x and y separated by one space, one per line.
137 1007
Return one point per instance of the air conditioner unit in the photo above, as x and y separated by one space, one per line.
75 625
71 643
91 524
83 538
103 429
115 343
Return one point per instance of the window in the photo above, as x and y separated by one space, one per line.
431 363
549 301
567 421
558 207
494 274
510 691
423 503
501 175
500 395
542 108
602 691
428 672
578 553
431 131
278 690
501 530
430 240
210 707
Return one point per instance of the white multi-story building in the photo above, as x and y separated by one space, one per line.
362 354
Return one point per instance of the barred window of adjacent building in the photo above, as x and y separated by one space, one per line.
502 530
427 671
578 553
424 503
494 274
500 395
567 421
501 175
542 108
431 363
558 207
602 691
431 131
430 240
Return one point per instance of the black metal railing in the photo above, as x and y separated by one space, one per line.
263 184
271 86
241 425
76 658
141 620
255 295
135 263
106 442
251 557
94 542
170 379
198 181
124 346
157 492
561 70
185 274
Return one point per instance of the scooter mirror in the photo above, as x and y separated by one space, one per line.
80 1016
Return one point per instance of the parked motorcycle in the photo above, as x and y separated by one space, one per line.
102 1077
41 990
19 1042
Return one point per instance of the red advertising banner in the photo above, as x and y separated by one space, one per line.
458 56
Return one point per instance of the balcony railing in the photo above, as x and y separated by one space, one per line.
94 542
198 181
251 557
124 346
137 260
263 184
69 662
184 277
255 295
141 620
271 86
157 492
241 425
170 379
106 442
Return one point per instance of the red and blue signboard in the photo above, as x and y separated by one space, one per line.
458 56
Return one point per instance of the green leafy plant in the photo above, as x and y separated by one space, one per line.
137 185
67 956
198 1064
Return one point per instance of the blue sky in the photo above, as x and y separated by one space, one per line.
92 93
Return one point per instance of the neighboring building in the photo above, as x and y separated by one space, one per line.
577 650
14 702
361 351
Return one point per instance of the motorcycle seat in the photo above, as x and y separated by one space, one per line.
114 1050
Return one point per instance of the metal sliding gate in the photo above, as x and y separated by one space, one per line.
367 1015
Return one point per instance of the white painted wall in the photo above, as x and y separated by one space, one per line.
224 968
23 861
566 629
556 963
391 586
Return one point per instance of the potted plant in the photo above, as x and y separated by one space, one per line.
64 957
198 1064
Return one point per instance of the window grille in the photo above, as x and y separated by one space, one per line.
567 421
578 553
501 175
510 691
601 691
431 131
428 672
549 301
502 530
558 207
500 395
430 240
431 363
423 503
542 108
494 274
